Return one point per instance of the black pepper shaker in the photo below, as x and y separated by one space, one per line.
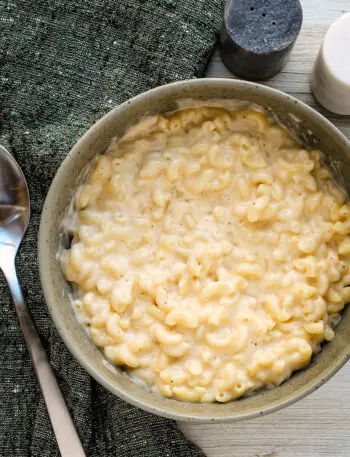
258 36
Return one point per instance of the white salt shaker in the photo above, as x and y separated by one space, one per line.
330 81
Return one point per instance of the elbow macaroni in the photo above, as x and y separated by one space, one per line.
210 253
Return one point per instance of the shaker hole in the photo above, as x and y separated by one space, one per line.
263 14
273 22
252 8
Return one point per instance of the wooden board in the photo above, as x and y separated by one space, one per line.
319 425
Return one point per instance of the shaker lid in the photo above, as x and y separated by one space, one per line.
263 27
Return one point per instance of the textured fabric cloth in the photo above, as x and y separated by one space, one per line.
63 64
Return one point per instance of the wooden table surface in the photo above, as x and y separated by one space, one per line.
319 425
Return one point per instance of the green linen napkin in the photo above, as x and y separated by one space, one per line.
63 64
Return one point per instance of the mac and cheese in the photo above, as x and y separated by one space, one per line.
210 253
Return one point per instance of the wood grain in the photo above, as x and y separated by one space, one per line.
317 426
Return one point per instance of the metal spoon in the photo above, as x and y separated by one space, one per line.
14 219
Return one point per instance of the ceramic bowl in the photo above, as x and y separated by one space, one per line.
311 127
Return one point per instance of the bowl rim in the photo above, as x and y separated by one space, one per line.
50 299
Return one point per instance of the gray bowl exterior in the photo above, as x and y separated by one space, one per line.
312 127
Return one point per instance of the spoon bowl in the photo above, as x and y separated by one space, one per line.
14 203
14 220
